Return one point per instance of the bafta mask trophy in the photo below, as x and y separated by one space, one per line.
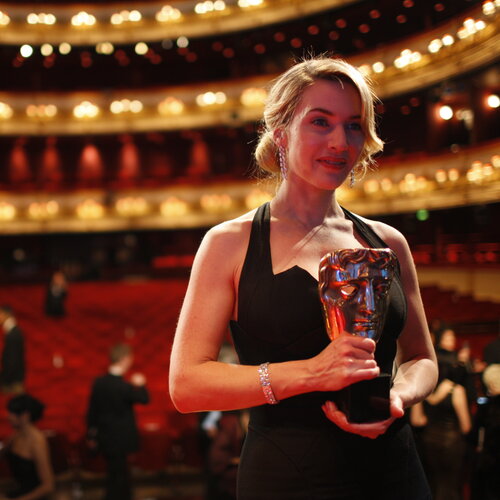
353 288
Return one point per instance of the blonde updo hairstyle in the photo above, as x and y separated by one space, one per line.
286 93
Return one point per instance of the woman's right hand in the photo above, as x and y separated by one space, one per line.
346 360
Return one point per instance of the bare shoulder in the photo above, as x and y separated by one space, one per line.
226 242
38 440
394 238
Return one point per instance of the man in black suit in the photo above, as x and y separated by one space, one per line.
12 370
111 420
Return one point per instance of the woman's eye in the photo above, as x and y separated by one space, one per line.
322 122
354 126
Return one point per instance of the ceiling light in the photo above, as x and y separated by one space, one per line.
26 50
64 48
445 112
5 111
46 49
83 19
141 48
493 101
4 19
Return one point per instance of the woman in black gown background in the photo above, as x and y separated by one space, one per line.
27 451
258 274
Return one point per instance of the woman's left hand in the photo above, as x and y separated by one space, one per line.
370 430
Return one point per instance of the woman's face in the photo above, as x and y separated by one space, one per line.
325 137
448 340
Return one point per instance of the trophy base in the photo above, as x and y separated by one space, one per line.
366 401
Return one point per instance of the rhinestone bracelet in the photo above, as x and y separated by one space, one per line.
266 384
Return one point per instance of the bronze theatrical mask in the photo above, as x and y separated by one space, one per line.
354 286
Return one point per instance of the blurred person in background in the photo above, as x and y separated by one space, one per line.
224 453
442 422
27 451
56 295
12 370
111 423
485 437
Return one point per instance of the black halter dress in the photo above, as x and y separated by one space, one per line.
292 451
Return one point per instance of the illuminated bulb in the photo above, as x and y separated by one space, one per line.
64 48
244 4
435 45
453 174
116 107
488 8
7 210
85 110
469 25
253 97
134 16
141 48
445 112
493 101
219 5
173 207
168 13
5 111
415 57
216 202
487 170
89 209
378 67
106 48
386 184
371 186
136 106
83 19
256 197
440 176
46 49
171 106
448 40
4 19
26 50
116 19
50 110
182 42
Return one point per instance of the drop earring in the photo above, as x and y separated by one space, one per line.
352 179
282 162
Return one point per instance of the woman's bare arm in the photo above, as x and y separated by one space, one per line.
198 382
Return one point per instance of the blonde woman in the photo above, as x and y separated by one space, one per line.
257 275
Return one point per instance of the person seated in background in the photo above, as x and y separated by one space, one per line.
111 423
13 368
27 451
485 437
57 292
